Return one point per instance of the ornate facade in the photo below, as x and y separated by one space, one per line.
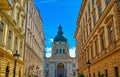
12 30
98 38
60 64
34 44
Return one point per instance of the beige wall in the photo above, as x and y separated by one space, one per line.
13 25
34 45
89 42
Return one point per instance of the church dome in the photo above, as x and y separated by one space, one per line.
60 36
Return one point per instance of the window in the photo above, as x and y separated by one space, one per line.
19 73
93 2
100 9
106 73
111 35
119 3
89 10
16 44
86 18
7 71
9 39
98 73
94 18
96 47
91 51
102 41
90 26
60 51
18 14
21 47
94 74
22 25
64 51
107 1
57 51
116 72
1 30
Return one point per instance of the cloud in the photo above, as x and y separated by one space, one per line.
48 1
48 51
72 51
51 40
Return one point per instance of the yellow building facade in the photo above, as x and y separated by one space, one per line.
12 30
98 38
34 43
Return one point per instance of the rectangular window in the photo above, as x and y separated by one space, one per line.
94 74
102 41
100 9
90 26
16 44
1 30
9 39
119 3
93 2
91 51
98 73
89 10
94 18
18 17
96 47
107 1
106 73
111 34
116 72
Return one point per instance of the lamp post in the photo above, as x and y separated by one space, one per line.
37 68
16 56
88 64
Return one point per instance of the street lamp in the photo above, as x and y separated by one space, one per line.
16 56
88 64
37 68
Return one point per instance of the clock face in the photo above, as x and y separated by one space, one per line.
10 2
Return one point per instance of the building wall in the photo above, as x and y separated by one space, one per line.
98 37
34 44
12 29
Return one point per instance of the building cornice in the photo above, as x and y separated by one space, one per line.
79 16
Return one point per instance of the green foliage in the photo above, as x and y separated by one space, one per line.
81 75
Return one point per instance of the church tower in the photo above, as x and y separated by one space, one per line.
60 47
60 64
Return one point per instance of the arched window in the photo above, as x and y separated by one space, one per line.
60 51
111 35
63 51
7 71
1 30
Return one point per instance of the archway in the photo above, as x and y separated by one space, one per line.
60 70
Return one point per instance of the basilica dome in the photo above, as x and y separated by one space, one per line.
60 36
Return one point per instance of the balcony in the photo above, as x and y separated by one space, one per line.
6 4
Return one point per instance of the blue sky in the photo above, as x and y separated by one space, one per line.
54 13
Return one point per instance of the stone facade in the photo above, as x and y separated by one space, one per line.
60 64
12 30
34 44
98 38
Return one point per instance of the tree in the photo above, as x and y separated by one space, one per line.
81 75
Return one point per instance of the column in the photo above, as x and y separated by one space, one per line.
106 37
99 43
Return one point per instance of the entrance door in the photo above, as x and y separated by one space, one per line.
60 70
